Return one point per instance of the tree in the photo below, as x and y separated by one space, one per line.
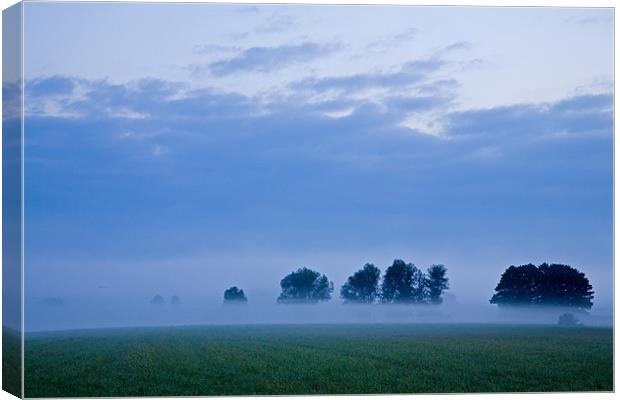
305 286
568 319
362 286
157 300
175 300
234 295
436 282
403 283
551 285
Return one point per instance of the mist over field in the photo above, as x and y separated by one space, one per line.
112 294
89 313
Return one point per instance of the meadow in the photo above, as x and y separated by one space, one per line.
318 359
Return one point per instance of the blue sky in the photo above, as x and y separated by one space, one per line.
187 148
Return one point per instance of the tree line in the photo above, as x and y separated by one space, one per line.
402 283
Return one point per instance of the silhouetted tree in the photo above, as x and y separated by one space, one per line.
157 300
234 295
305 286
175 300
362 286
403 283
436 282
551 285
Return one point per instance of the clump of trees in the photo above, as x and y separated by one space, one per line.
547 285
234 295
402 283
305 286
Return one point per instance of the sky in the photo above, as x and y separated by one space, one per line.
186 148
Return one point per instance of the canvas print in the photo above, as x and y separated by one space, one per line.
207 199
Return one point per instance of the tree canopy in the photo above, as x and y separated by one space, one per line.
403 283
362 286
305 286
547 284
234 295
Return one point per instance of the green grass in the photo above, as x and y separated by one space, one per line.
11 362
315 359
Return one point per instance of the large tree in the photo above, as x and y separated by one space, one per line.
305 286
234 295
551 285
362 286
436 282
403 283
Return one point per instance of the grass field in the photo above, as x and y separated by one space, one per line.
11 362
314 359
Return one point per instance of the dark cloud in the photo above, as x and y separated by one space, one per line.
586 114
264 59
53 85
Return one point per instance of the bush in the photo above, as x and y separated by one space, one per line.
568 319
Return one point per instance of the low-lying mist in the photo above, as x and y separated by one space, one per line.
90 313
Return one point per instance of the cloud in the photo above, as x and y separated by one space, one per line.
222 171
455 47
579 115
161 108
410 73
53 85
265 59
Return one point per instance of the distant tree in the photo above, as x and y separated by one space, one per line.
403 283
362 286
551 285
234 295
436 282
157 300
568 319
175 300
305 286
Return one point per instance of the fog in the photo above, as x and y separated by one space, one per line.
103 313
62 293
